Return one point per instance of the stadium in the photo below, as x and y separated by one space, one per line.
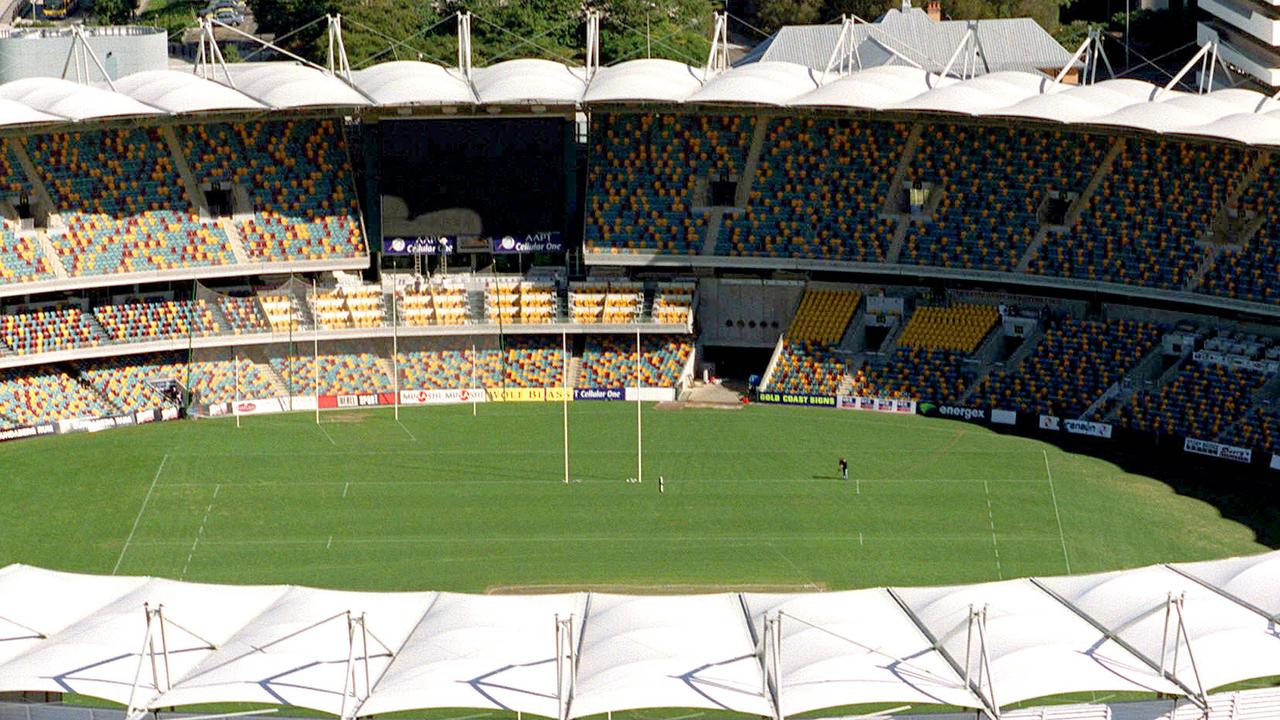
648 389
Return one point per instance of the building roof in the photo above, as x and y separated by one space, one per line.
295 646
1017 44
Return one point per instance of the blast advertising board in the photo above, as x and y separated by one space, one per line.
551 394
777 398
1217 450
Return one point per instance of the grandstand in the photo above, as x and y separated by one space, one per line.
806 359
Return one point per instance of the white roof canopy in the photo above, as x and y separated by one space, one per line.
1236 115
365 653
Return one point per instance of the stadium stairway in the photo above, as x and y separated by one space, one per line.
36 181
1123 390
1077 208
7 210
189 183
234 239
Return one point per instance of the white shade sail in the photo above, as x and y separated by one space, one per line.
161 643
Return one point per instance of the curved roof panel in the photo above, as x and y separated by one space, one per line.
982 94
874 89
290 85
490 651
529 82
409 82
854 647
183 92
694 651
55 96
764 83
1026 629
1230 642
13 113
644 80
282 645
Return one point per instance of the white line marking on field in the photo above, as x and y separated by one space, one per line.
200 532
329 544
677 539
859 538
141 510
402 427
991 519
804 577
1057 515
326 434
345 488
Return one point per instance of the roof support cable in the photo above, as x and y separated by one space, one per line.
986 702
394 45
955 54
1196 696
1200 57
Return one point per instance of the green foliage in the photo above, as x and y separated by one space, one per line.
869 10
773 14
175 16
1071 34
381 30
1044 12
113 12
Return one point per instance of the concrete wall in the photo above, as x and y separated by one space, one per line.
43 52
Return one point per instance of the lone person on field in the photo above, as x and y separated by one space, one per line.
844 469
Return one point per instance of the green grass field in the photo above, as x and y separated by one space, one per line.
444 500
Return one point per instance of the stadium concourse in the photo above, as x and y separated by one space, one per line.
1179 630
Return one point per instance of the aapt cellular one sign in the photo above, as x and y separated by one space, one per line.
539 242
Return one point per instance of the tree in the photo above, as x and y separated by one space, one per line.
869 10
113 12
673 29
773 14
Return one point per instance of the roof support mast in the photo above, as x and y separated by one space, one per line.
718 58
566 665
337 57
1090 51
593 43
845 56
464 44
771 656
81 53
209 56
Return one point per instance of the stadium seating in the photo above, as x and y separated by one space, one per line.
433 304
959 328
644 173
527 302
673 303
595 301
818 191
1143 221
342 374
48 331
916 373
44 394
124 210
156 320
525 361
244 314
1249 273
132 383
807 362
348 307
993 182
282 311
808 368
21 259
609 361
1072 366
1202 401
823 315
929 362
299 179
1259 428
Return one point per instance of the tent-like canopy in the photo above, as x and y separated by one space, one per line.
1180 629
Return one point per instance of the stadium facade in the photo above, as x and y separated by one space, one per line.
240 213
